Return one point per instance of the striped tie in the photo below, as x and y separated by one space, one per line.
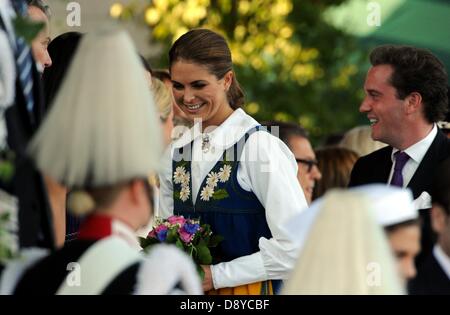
24 60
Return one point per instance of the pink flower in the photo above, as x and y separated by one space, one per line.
185 236
151 234
176 220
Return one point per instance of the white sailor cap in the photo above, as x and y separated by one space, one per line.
390 205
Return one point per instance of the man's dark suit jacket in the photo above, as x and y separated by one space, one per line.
376 167
35 220
431 279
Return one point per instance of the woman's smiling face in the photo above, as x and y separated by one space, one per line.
199 93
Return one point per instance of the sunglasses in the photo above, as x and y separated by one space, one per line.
309 163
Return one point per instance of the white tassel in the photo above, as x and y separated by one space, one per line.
80 203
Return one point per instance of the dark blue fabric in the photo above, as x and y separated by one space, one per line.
239 218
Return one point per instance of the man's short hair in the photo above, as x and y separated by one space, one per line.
41 5
286 130
416 70
440 191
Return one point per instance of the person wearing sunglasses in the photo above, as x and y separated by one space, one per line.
296 138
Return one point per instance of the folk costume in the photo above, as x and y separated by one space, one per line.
242 181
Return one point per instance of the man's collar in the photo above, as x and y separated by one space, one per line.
418 150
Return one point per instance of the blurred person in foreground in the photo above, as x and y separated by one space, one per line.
395 211
433 276
108 164
343 249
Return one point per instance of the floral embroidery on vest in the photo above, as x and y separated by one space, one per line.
213 179
180 176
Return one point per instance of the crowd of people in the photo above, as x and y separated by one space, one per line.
103 144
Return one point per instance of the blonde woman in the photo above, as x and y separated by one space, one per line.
163 101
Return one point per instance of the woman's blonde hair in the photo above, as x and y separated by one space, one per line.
163 98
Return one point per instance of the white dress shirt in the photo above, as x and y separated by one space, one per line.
442 259
268 169
416 154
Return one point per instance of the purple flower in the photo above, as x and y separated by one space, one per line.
191 228
161 233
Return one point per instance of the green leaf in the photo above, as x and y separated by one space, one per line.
176 195
172 236
203 254
6 170
180 245
26 28
4 217
147 242
181 163
220 194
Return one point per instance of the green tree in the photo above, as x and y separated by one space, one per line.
292 64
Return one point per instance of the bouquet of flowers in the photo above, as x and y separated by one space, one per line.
189 235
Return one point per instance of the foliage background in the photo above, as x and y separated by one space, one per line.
292 64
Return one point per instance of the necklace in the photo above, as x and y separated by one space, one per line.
205 143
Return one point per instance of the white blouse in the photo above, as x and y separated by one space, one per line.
268 169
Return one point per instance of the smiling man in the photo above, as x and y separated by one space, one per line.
406 94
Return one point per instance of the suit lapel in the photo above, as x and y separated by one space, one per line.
423 177
382 169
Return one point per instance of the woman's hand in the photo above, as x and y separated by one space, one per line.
207 280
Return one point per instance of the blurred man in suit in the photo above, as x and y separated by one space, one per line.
433 276
22 119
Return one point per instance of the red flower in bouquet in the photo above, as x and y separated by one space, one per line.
189 235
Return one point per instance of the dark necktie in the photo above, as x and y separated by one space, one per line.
400 160
24 60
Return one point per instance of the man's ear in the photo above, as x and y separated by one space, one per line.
414 103
438 218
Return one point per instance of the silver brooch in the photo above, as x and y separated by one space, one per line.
205 143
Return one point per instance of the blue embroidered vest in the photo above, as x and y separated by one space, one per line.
232 212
